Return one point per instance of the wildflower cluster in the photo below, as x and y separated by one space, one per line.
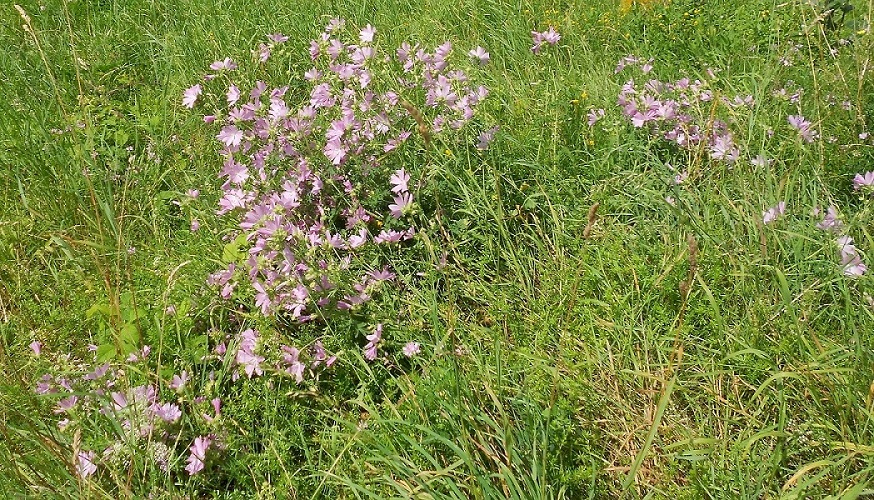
678 112
149 416
310 187
541 38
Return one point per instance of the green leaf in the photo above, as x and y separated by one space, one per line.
231 252
105 352
100 308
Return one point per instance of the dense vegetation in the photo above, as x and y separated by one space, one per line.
472 249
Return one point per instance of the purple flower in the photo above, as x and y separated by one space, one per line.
295 367
167 412
486 137
803 126
479 54
195 225
226 64
399 181
851 261
66 404
231 136
411 349
401 203
865 180
85 465
335 25
198 451
549 36
246 355
771 214
372 341
233 95
595 115
277 38
831 221
178 382
190 96
647 67
36 346
335 151
367 34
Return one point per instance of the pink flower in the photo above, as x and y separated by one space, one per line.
803 126
549 36
373 341
167 412
198 454
231 136
831 222
771 214
595 115
85 466
411 349
401 203
178 382
480 55
367 34
36 346
865 180
486 137
399 181
190 96
195 225
335 151
851 261
226 64
233 95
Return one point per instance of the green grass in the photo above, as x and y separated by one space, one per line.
554 366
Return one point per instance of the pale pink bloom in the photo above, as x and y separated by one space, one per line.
231 136
85 466
198 454
401 202
479 54
357 240
226 64
367 34
178 382
773 213
36 346
411 349
167 412
233 95
190 96
373 340
851 261
486 137
399 181
195 225
831 221
595 115
865 180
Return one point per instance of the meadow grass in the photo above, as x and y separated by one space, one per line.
637 348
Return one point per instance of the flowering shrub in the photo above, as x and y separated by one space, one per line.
313 188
